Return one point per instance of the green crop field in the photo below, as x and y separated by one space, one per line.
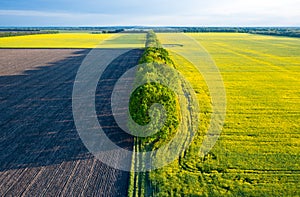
258 152
133 40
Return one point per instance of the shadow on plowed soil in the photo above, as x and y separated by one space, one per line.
37 127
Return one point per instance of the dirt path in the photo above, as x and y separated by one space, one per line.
40 150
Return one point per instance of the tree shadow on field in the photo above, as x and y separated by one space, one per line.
36 121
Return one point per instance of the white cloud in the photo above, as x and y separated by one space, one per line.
183 13
47 14
259 7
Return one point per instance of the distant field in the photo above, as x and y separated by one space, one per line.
63 40
74 40
133 40
258 152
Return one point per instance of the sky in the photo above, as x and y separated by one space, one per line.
149 13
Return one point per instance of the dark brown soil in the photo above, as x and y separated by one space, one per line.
40 150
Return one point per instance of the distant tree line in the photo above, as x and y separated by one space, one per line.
8 33
108 31
19 29
275 31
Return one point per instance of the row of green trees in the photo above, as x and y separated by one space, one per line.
108 31
153 71
152 92
154 52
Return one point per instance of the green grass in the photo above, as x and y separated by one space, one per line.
134 40
258 152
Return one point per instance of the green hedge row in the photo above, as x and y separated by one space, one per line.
150 93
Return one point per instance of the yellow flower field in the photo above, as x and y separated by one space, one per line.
258 152
62 40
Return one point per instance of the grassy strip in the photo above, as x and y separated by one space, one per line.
132 176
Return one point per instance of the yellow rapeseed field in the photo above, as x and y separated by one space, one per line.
258 152
62 40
